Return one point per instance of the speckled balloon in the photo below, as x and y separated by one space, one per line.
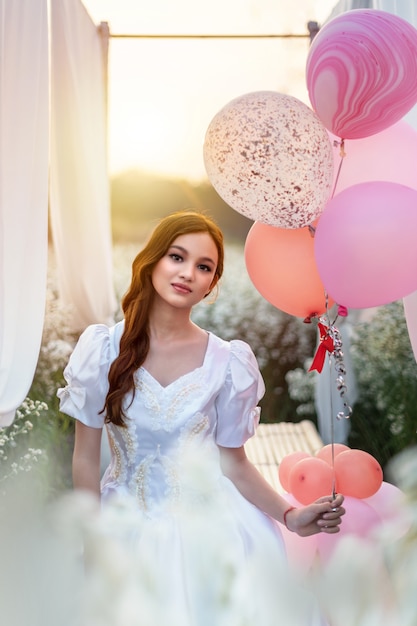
269 157
361 72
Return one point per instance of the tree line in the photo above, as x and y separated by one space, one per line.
139 199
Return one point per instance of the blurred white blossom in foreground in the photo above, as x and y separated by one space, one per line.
73 564
77 565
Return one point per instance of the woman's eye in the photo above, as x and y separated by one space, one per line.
175 257
205 268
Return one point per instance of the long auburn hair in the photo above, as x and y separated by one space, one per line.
137 302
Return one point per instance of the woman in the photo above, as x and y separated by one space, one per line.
179 404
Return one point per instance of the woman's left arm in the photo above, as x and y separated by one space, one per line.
324 515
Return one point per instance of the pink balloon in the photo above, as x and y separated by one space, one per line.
390 155
391 505
360 520
365 244
269 157
361 71
282 266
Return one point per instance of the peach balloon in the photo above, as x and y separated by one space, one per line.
286 466
358 474
310 479
327 452
281 264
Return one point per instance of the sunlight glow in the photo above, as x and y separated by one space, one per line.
164 93
146 138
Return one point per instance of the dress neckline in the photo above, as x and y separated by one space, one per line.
193 371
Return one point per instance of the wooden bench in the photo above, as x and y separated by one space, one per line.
273 442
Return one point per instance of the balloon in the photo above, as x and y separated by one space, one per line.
360 519
269 157
358 474
391 505
390 155
388 501
365 244
361 71
326 453
286 466
282 266
310 479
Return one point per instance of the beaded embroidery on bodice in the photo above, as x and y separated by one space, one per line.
147 455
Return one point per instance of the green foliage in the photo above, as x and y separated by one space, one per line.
138 200
51 432
384 421
20 449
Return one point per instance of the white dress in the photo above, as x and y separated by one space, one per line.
193 532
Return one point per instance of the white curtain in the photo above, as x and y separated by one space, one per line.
23 195
79 193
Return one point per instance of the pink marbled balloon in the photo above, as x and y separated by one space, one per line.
269 157
362 72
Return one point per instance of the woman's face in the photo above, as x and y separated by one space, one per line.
184 275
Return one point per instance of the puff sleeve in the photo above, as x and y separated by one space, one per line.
86 376
238 412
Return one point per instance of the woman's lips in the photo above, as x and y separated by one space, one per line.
181 288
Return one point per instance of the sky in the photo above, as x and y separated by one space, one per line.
163 93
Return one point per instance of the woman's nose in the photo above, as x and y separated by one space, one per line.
187 271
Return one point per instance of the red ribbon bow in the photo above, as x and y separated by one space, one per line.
326 344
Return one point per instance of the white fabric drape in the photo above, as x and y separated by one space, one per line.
23 195
79 190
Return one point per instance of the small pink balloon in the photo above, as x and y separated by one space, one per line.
361 71
360 520
286 466
365 244
391 505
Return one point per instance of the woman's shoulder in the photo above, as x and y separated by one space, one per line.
101 332
99 339
236 347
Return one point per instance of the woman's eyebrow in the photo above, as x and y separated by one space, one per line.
206 259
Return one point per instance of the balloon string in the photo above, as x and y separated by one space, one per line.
342 156
332 432
326 295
